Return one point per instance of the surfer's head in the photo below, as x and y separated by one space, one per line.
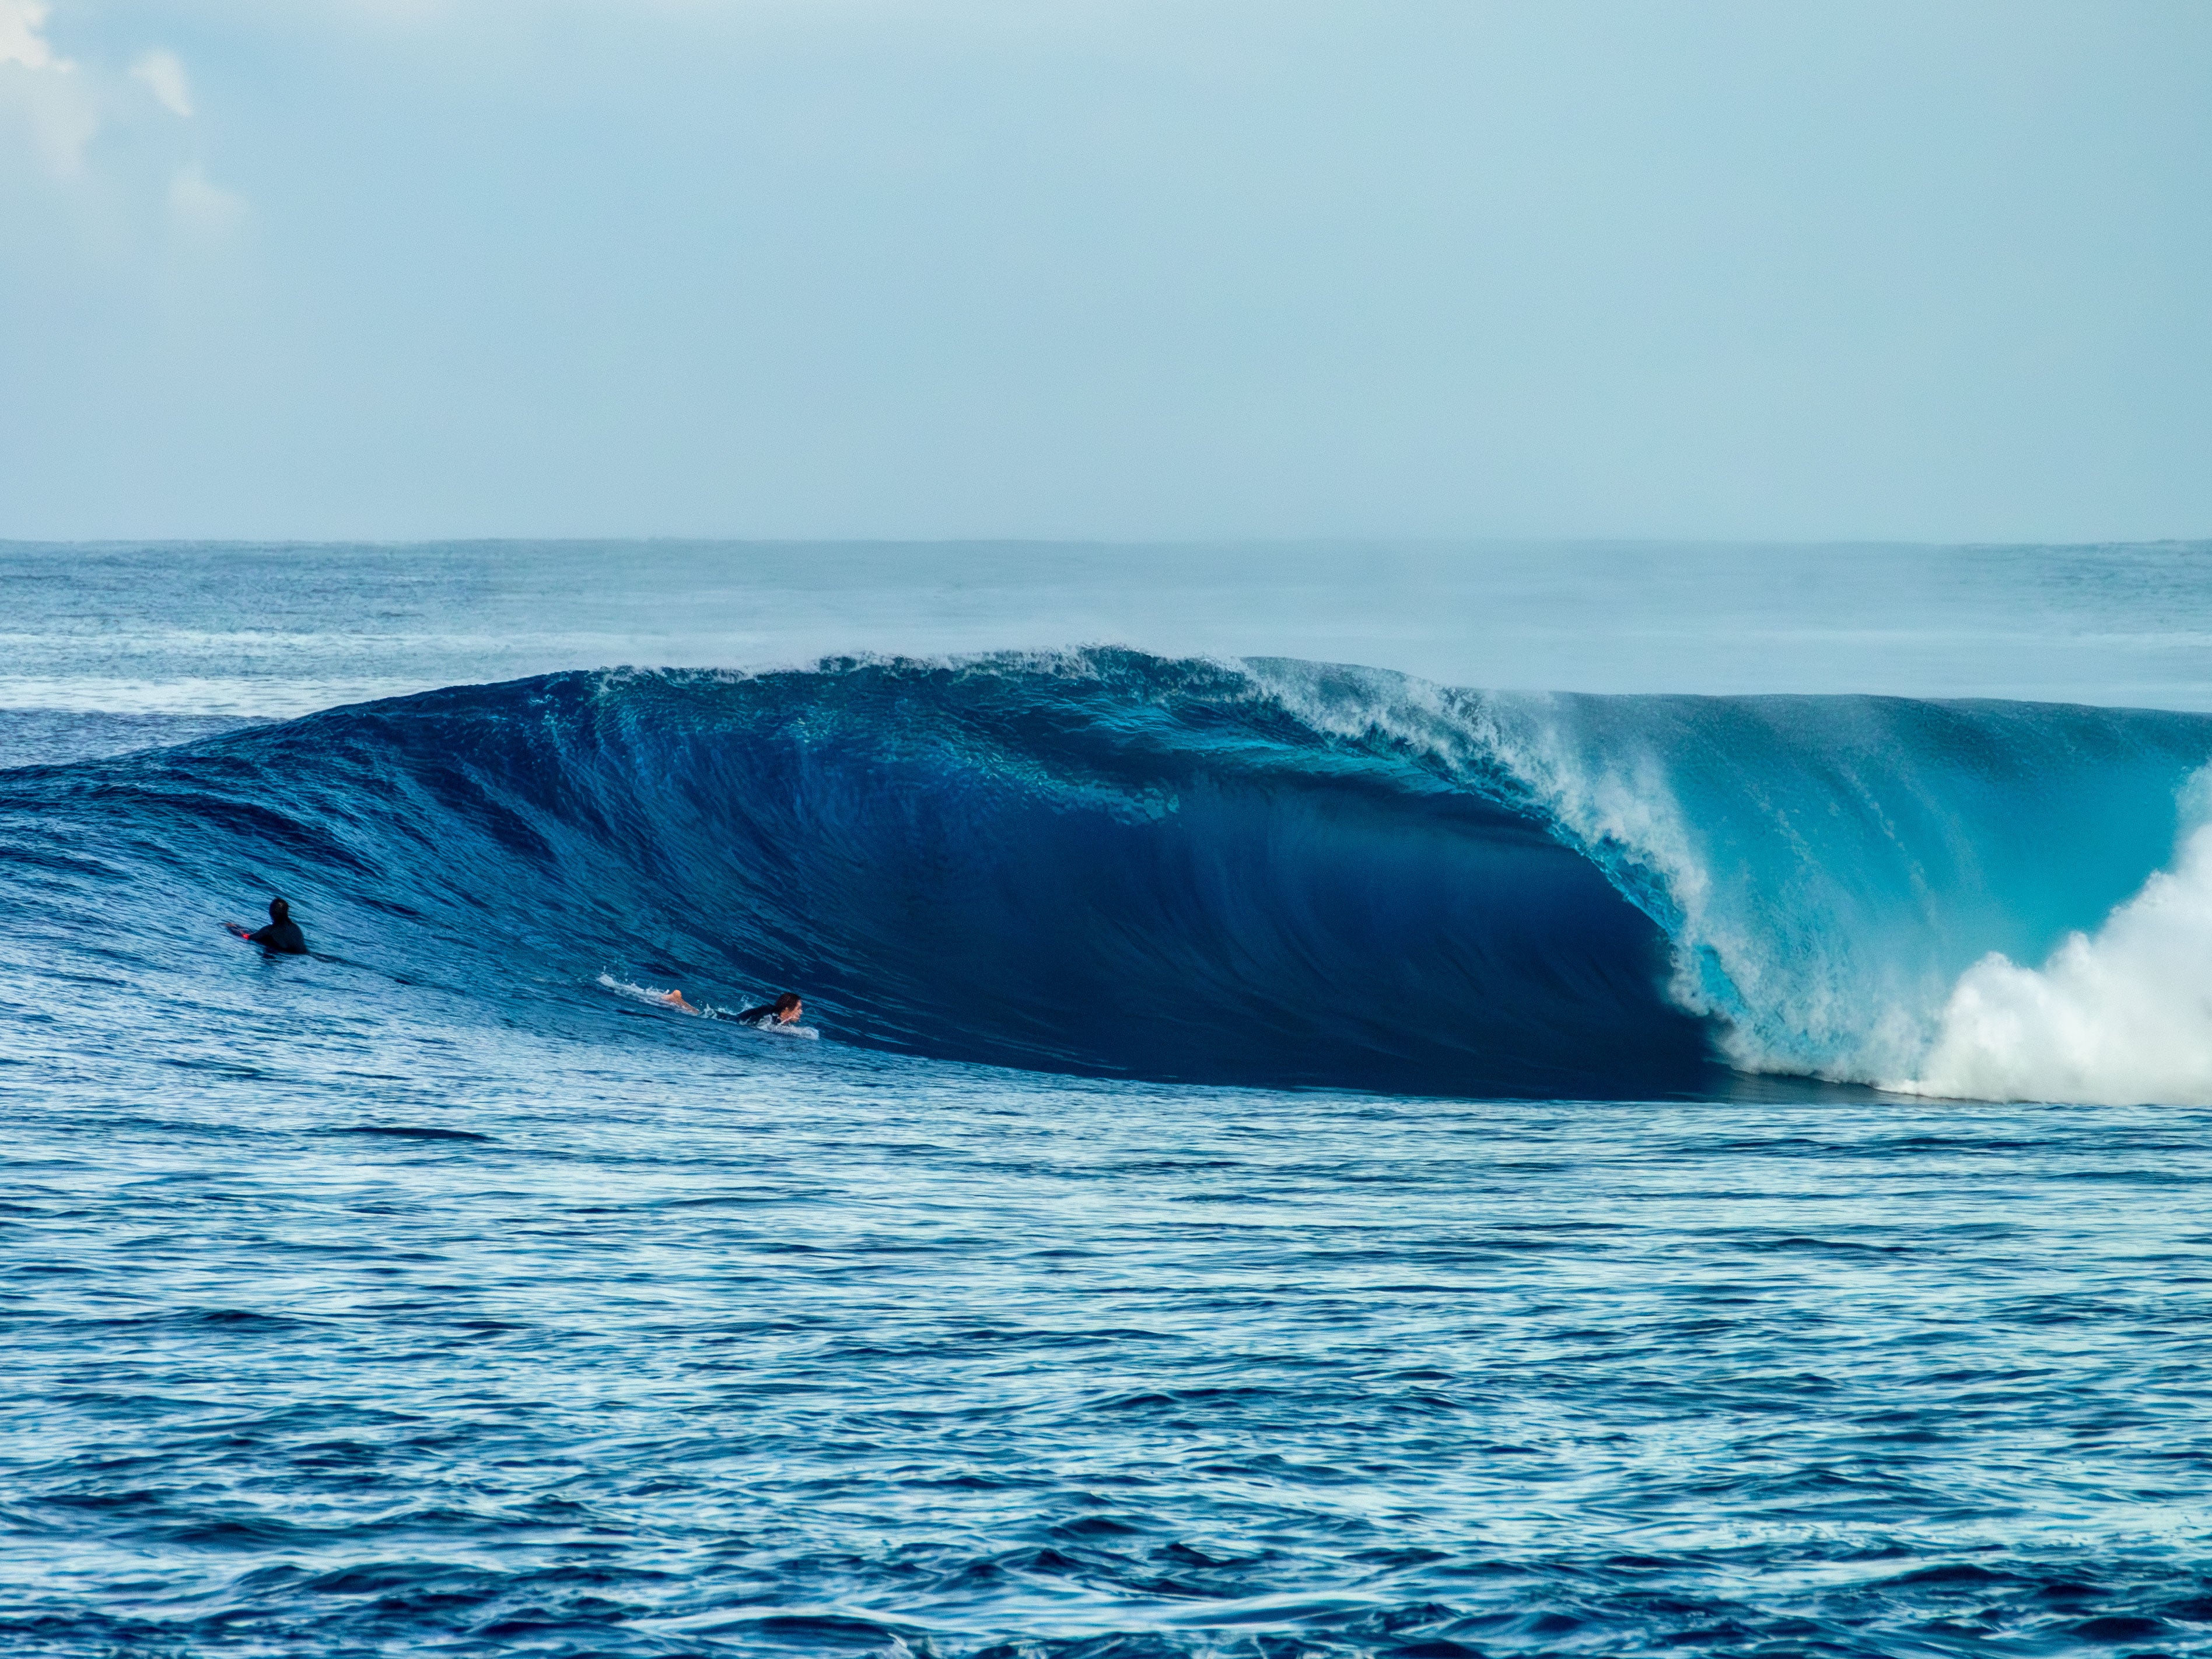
788 1007
279 911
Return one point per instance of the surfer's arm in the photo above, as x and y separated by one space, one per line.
241 930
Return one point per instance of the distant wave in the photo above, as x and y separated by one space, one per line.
1271 872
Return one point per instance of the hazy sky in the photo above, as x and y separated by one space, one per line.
412 267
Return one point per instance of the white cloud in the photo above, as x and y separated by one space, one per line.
21 41
61 106
43 90
164 75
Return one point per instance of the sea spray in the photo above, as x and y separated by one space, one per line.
2121 1015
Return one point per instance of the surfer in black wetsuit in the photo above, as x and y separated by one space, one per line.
785 1009
281 936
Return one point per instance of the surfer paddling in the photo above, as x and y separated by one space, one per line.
281 936
784 1011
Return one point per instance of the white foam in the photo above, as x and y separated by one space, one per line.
657 998
2116 1018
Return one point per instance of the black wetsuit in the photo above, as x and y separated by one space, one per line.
754 1016
284 937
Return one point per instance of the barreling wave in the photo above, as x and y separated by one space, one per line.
1272 872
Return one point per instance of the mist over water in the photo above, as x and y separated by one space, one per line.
219 629
1382 1101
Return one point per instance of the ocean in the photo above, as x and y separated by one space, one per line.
1353 1099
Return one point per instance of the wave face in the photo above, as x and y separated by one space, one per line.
1828 869
1276 873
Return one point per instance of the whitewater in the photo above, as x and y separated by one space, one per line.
1396 1101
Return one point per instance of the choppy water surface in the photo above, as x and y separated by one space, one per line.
433 1295
697 1350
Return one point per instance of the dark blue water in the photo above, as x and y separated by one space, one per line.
1283 1160
707 1347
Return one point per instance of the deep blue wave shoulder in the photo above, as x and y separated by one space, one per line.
1112 864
